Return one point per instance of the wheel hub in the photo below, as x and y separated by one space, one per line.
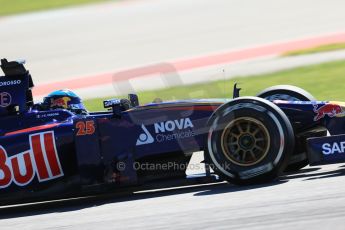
245 141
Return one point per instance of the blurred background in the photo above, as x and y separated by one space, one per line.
176 49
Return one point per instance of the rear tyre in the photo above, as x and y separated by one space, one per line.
250 140
290 93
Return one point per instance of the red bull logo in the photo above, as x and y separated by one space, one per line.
40 160
61 102
330 110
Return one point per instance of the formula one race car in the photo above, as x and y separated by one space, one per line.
51 152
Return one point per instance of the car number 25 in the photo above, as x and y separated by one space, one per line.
85 128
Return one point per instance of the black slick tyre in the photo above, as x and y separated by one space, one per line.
250 140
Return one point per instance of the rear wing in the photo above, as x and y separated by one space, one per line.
15 88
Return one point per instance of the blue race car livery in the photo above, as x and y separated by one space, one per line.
50 153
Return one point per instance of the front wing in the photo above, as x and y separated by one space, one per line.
326 150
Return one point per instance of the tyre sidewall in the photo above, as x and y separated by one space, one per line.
280 134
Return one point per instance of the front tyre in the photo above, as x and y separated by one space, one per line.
250 140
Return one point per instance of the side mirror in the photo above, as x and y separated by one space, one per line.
111 103
115 105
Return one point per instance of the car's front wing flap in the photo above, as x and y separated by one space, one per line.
326 150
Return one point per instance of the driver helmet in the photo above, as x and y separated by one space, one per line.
65 99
